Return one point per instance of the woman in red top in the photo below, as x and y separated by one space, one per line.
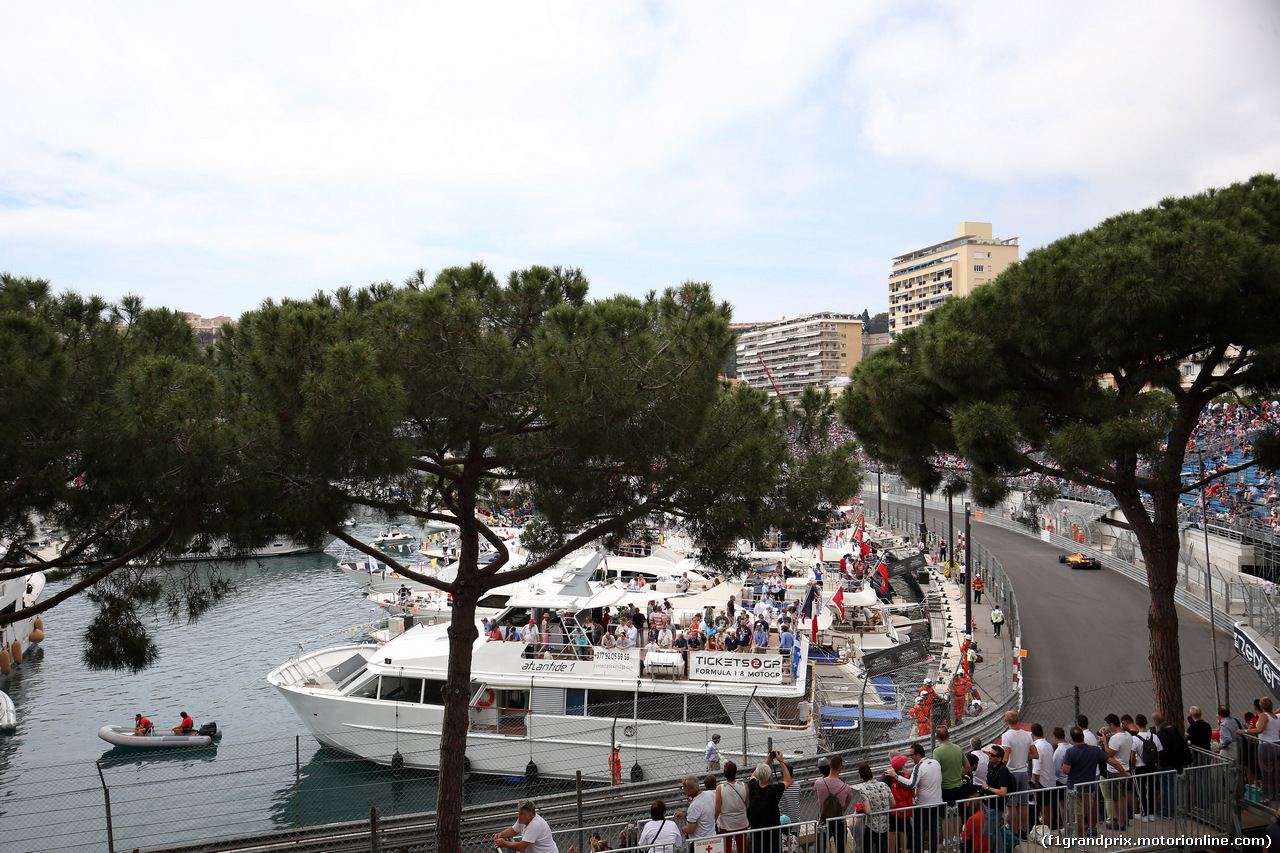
141 725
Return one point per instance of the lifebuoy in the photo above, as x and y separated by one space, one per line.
486 700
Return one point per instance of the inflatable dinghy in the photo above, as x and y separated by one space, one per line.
8 714
124 736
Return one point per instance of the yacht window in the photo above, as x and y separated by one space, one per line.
494 601
396 689
433 694
575 700
515 700
706 709
610 703
661 706
367 690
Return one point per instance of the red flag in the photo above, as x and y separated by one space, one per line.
814 620
838 601
883 571
860 535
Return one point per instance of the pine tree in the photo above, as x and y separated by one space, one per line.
1071 364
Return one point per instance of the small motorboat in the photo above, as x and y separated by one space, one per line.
391 537
124 736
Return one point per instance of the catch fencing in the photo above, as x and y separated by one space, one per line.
1220 595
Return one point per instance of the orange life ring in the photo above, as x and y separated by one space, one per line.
486 700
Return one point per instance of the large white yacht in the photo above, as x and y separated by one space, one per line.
561 709
15 638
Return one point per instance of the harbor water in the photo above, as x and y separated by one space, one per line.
266 773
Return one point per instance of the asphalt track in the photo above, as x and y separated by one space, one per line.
1089 629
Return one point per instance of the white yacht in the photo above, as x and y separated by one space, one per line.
559 710
392 537
18 594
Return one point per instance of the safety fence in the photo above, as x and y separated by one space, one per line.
1167 808
1221 595
1178 809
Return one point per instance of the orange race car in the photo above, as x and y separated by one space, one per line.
1080 561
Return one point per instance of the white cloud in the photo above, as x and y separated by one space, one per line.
210 156
1139 97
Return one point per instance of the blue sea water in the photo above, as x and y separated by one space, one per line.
267 772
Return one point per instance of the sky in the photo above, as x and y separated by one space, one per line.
211 156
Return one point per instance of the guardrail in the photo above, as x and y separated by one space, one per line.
1199 590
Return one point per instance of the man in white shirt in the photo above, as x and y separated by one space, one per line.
1089 737
529 633
1145 783
926 781
763 611
1019 749
1118 743
661 834
984 760
535 835
700 819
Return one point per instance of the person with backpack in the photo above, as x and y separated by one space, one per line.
834 797
1146 761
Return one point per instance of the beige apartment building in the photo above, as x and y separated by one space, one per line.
206 328
812 349
924 279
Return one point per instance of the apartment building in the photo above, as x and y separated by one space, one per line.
812 349
206 328
924 279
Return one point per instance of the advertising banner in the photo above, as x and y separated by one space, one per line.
907 565
882 661
1258 654
724 666
619 662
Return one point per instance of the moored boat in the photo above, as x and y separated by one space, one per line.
17 637
563 707
125 736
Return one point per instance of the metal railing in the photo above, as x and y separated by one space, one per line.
1232 597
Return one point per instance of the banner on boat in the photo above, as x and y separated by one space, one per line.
906 565
616 662
724 666
883 661
619 662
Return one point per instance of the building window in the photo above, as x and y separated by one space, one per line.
977 267
979 255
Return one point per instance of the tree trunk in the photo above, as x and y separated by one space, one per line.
457 690
1160 543
453 736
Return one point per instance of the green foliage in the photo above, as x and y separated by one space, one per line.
877 325
1069 365
115 431
609 413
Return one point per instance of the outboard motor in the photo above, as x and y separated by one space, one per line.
209 730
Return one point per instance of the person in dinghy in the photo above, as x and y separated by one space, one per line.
186 727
